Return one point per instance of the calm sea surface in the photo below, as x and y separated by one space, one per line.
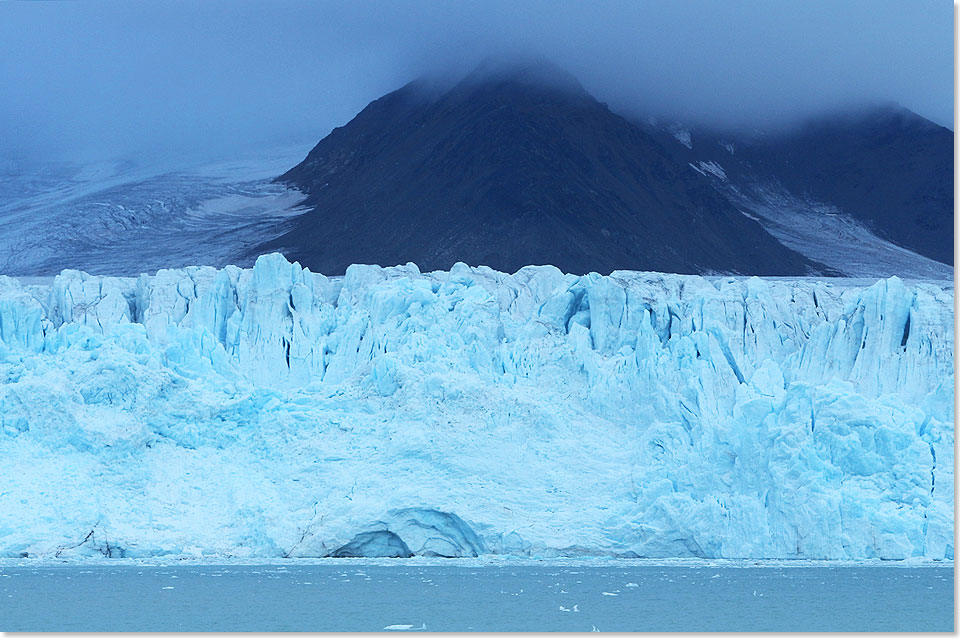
357 596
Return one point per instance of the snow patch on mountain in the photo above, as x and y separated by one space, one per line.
709 168
682 135
275 412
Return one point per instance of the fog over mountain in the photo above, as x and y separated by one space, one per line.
88 80
509 167
518 164
514 164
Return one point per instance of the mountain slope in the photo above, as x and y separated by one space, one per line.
888 168
510 169
869 193
507 170
141 215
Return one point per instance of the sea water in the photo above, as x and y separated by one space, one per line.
358 595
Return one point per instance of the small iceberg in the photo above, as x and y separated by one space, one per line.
422 627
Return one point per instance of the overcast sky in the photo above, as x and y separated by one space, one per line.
211 78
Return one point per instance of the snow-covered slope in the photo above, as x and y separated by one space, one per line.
275 412
828 235
127 217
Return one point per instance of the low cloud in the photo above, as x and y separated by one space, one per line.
212 78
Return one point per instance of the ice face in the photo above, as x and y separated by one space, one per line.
276 412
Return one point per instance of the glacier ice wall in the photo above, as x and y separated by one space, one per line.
276 412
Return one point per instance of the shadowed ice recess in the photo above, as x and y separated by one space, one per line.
275 412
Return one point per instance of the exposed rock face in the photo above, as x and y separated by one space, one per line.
521 166
848 182
513 168
888 168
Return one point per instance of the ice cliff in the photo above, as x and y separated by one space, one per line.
276 412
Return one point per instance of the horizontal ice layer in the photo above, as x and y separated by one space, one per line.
275 412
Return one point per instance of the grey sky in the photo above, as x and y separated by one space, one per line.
211 77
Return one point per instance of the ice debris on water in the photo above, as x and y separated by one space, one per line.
275 412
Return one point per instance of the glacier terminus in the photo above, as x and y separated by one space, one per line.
274 412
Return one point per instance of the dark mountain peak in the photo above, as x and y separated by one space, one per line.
533 87
515 165
537 73
870 119
896 113
864 120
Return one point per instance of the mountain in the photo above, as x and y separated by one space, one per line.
509 168
141 214
877 180
888 167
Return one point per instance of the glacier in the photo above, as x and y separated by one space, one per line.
274 412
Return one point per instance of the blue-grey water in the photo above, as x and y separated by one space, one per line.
357 596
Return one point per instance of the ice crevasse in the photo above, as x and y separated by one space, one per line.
275 412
